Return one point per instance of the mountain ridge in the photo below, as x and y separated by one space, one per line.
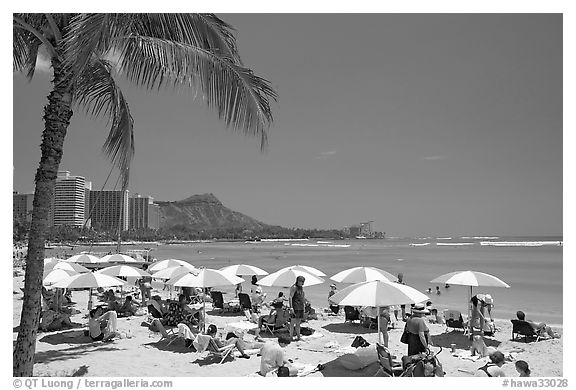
204 212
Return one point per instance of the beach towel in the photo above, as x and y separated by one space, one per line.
360 359
201 342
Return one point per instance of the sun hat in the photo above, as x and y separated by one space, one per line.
420 308
488 299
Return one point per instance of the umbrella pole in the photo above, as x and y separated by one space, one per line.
378 316
204 312
90 300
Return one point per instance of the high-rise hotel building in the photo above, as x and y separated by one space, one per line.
143 213
68 206
22 206
109 209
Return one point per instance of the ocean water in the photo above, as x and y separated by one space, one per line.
532 266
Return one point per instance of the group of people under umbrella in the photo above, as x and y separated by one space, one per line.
369 286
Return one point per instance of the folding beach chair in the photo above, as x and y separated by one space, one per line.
223 352
523 328
351 314
388 366
245 302
454 320
183 330
217 300
281 320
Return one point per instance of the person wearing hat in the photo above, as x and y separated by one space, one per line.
297 305
487 303
333 306
418 332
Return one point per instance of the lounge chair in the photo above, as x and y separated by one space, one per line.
351 314
204 343
281 320
523 328
454 320
217 300
387 366
183 331
245 302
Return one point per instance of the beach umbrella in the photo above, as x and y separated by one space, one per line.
89 280
286 277
470 278
84 258
243 270
206 277
118 257
161 264
362 274
172 272
123 270
51 261
378 293
305 268
52 276
63 265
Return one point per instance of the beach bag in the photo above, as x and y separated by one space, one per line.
405 336
359 341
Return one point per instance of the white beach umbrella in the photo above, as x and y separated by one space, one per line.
362 274
172 272
470 278
243 270
118 257
56 275
305 268
206 277
378 293
89 280
286 277
123 270
51 260
84 258
161 264
49 266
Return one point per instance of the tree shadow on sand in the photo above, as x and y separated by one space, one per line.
346 327
445 340
220 313
72 336
177 346
74 352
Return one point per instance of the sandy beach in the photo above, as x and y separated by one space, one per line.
68 352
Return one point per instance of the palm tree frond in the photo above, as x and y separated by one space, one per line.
240 97
97 92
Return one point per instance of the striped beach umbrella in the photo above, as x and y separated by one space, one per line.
161 264
84 258
286 277
243 270
66 266
123 270
172 272
378 293
56 275
118 257
362 274
305 268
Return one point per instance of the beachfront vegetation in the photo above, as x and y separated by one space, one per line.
87 52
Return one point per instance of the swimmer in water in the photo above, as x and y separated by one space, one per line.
437 290
446 285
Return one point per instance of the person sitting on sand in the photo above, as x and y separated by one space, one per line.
522 368
128 307
539 327
97 320
273 356
494 367
212 330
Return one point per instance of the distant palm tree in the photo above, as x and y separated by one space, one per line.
86 51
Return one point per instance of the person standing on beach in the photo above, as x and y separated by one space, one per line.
333 306
297 304
403 307
418 332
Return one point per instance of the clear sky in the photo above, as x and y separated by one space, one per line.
427 124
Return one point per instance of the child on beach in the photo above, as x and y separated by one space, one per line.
522 368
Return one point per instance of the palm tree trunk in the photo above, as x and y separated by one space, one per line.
57 114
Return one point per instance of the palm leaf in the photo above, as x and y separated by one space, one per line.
97 92
239 96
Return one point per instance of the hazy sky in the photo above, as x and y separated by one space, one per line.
427 124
